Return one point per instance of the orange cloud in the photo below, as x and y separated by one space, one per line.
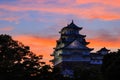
38 45
98 43
44 46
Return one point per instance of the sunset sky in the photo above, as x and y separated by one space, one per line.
36 23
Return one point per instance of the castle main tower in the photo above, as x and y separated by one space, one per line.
71 48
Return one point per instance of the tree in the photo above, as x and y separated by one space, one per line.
17 61
91 73
111 66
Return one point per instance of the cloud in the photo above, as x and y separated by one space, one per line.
104 38
9 28
106 3
105 10
45 45
98 43
87 9
10 19
14 17
38 45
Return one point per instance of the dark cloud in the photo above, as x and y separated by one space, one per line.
104 34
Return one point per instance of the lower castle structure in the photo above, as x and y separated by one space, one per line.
71 50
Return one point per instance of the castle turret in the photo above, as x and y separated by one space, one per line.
97 58
103 51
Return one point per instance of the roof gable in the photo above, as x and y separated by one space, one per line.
75 44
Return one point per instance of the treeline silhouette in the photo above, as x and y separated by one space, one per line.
17 62
111 66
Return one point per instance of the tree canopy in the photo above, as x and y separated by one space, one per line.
17 61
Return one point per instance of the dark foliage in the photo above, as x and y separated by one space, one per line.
17 62
91 73
111 66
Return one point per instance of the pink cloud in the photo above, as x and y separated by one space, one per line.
9 28
106 2
85 1
14 16
10 19
92 12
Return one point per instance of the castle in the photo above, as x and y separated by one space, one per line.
71 50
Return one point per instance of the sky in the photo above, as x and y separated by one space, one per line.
36 23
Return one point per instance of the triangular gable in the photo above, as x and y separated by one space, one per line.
75 44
